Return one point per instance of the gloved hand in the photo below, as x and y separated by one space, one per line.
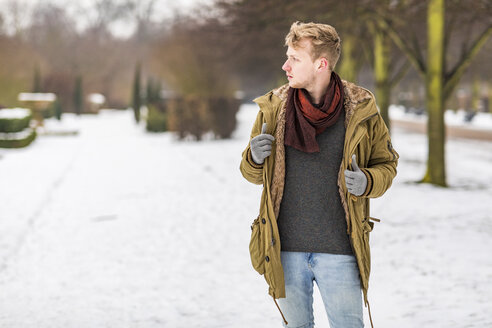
261 145
356 180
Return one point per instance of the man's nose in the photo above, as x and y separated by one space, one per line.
286 66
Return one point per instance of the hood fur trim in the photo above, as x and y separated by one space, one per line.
281 92
353 95
278 179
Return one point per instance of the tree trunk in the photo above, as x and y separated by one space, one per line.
489 90
381 73
348 65
476 94
78 99
37 80
137 100
436 170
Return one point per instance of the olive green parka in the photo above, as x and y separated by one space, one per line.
366 136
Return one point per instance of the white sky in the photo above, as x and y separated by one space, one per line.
82 9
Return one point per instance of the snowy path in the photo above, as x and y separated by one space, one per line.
120 228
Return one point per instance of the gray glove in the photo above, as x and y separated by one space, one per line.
261 145
356 180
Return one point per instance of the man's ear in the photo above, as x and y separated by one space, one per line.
323 63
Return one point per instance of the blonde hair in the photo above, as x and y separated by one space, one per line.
324 40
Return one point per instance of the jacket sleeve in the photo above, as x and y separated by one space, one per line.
250 170
381 168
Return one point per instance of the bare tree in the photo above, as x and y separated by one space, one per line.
16 17
2 25
190 61
53 35
442 69
105 13
15 75
142 12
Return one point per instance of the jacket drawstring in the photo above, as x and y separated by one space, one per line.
280 311
369 309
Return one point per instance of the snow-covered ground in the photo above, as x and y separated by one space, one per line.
480 121
115 227
14 113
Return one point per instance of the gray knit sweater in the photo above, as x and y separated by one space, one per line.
311 217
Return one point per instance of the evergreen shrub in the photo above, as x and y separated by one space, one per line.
156 118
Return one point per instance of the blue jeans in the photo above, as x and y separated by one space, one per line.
338 281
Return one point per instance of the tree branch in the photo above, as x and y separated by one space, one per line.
417 49
371 26
400 73
452 79
412 54
447 36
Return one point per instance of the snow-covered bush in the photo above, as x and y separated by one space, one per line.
14 128
14 119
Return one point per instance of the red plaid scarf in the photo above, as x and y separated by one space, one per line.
304 121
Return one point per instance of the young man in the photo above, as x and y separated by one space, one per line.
321 149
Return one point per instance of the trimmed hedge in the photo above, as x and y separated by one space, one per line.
18 143
14 128
14 124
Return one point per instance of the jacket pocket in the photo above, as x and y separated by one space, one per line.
358 136
367 225
256 249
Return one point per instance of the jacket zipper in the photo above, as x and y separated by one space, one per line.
353 134
356 143
269 220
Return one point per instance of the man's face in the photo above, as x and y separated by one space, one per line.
299 67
